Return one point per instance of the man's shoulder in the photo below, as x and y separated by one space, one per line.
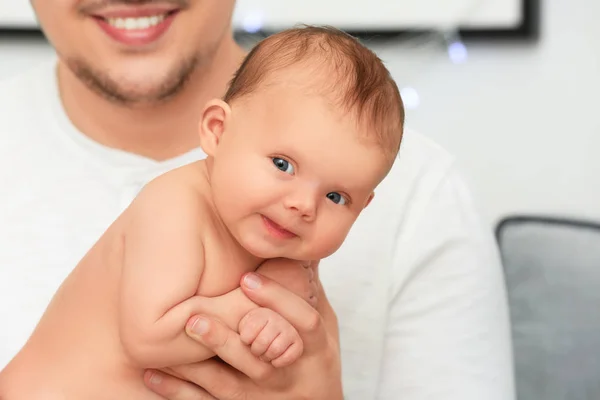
22 83
416 177
421 163
424 180
24 106
20 93
415 144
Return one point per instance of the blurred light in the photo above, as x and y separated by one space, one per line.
457 52
410 98
253 22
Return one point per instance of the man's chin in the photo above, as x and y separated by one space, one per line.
132 87
141 94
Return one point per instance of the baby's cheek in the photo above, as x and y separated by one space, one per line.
327 242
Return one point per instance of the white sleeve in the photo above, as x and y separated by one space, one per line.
448 332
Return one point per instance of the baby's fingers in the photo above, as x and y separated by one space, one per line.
290 355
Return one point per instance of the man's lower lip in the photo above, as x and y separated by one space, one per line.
137 37
276 230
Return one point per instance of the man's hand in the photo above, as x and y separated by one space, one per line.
316 375
295 276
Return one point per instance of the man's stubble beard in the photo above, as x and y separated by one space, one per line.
126 94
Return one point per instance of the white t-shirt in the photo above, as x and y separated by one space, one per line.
417 286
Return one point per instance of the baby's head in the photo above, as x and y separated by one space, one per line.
311 124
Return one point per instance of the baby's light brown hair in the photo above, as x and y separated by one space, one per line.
357 80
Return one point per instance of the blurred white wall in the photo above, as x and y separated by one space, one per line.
520 118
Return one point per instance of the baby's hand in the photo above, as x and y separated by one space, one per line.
296 276
270 337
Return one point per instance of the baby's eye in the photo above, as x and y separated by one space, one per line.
283 165
336 198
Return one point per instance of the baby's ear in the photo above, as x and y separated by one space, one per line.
369 200
212 125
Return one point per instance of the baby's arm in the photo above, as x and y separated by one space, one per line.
162 266
271 337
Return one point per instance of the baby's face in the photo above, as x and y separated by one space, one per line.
290 175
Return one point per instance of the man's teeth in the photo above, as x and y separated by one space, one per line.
136 23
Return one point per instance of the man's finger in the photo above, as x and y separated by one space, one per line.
306 319
214 376
324 307
228 345
172 388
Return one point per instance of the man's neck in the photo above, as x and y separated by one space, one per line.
159 131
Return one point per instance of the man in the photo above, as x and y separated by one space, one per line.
417 287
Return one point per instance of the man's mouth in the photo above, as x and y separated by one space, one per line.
136 26
136 23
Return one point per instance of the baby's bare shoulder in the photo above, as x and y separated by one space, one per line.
178 195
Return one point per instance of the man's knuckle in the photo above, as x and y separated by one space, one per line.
262 372
291 335
227 386
236 393
221 341
312 323
223 385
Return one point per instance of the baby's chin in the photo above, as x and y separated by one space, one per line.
295 249
267 254
268 251
301 256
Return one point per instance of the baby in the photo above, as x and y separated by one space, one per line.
311 124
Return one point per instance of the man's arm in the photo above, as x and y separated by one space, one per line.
448 335
162 268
